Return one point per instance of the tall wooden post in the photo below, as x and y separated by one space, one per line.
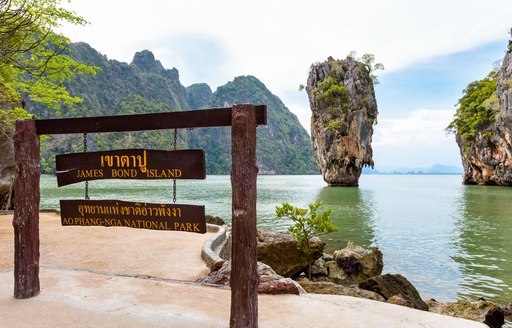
26 210
244 275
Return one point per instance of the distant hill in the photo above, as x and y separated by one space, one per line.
434 169
145 86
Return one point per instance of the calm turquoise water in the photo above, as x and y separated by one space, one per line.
451 241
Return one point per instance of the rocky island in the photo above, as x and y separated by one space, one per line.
482 127
344 110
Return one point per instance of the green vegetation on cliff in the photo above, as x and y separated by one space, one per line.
477 108
334 95
145 86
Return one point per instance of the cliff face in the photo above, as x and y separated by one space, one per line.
7 168
7 164
283 145
198 95
487 158
146 86
344 109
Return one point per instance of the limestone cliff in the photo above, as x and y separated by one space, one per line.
7 168
344 110
146 86
487 153
7 164
198 95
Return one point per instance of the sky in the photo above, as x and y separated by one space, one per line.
431 50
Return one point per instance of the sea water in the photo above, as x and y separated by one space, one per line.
451 241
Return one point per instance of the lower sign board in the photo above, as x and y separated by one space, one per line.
116 213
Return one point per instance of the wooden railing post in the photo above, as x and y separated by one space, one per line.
26 210
244 276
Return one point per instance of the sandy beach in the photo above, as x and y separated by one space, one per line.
124 277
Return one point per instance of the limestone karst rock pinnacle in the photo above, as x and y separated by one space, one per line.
487 156
344 110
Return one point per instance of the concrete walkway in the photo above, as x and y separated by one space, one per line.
123 277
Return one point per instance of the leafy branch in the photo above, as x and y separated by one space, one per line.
477 108
307 224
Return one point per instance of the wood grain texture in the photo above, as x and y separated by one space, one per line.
244 275
26 210
142 122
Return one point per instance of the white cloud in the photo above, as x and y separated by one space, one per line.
277 41
417 140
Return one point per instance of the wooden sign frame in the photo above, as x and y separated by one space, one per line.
243 120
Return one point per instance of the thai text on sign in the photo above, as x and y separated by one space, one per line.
116 213
130 164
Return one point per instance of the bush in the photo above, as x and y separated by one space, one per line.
477 108
307 224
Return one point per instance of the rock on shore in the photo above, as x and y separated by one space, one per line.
280 251
269 281
348 266
396 289
482 311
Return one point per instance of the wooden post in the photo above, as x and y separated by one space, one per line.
26 210
244 274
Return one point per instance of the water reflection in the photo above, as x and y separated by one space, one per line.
484 243
352 213
450 241
410 219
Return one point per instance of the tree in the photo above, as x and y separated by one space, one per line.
369 61
477 108
307 224
34 60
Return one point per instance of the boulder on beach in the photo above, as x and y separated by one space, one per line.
482 311
325 287
396 289
348 266
269 281
279 250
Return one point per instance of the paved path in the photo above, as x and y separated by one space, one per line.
123 277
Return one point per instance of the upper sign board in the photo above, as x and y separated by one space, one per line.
130 164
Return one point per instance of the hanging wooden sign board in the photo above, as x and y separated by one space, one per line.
130 164
116 213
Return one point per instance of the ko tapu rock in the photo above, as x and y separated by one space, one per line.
486 149
344 110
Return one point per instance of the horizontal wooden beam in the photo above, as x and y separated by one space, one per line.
204 118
